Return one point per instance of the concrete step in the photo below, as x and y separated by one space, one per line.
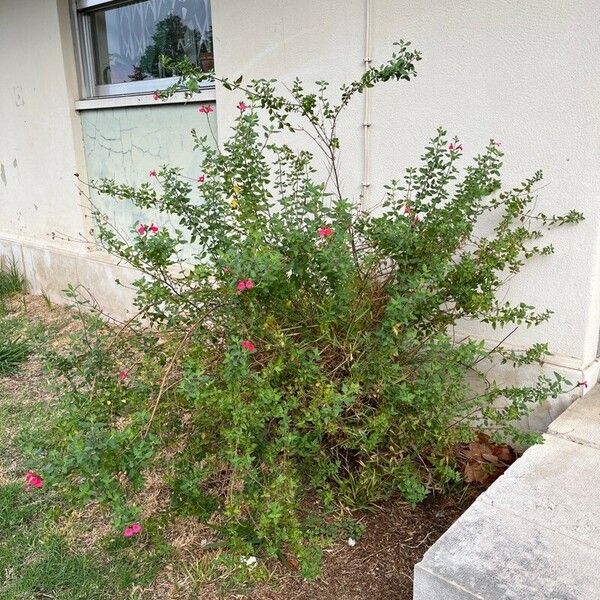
535 533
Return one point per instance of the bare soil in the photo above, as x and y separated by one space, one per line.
380 565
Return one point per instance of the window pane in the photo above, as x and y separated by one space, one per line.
129 39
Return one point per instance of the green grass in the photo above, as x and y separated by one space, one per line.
38 558
13 352
38 563
35 558
11 281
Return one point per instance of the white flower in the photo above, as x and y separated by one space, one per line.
351 542
420 216
249 561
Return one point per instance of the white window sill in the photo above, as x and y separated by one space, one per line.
207 95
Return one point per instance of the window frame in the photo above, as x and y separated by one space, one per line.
81 11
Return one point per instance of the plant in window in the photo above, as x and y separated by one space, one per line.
172 38
291 353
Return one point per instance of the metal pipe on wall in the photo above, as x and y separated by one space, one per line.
366 178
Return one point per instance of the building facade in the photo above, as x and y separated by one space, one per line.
76 96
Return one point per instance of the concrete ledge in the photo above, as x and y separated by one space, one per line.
492 554
535 533
49 270
580 422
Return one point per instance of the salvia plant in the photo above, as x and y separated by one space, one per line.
292 354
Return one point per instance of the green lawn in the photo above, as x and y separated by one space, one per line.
47 550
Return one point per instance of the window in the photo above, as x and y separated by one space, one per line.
121 42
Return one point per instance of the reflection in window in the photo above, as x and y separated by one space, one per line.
128 40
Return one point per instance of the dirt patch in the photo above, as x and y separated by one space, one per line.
380 565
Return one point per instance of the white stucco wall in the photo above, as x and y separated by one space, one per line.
44 141
524 73
40 138
41 148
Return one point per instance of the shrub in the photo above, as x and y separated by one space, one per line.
292 353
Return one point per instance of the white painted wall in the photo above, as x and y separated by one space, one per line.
524 73
40 137
42 146
40 150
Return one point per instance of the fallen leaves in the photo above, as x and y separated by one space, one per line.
485 460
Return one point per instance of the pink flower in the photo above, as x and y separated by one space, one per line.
32 479
248 345
152 173
244 284
136 528
201 179
141 229
122 375
582 384
419 217
153 228
457 148
132 530
206 109
407 210
243 106
325 231
156 96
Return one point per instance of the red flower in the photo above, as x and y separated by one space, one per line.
325 231
201 179
243 106
206 108
136 528
244 284
141 229
156 96
153 228
122 375
582 384
32 479
152 173
457 148
132 530
248 345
